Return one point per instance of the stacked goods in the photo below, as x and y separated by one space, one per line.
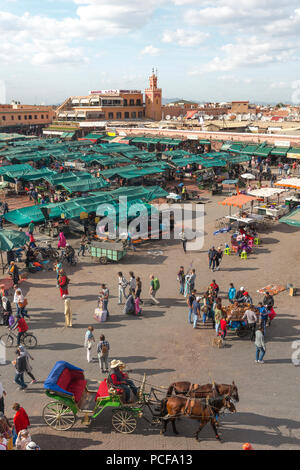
273 289
236 311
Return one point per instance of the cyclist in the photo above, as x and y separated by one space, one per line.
22 328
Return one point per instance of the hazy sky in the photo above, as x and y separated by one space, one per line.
205 50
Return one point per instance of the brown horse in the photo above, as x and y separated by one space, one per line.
203 391
204 410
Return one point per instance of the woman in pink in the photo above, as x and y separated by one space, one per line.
138 310
62 242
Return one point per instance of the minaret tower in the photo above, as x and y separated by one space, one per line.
153 99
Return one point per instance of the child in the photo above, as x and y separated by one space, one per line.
223 327
88 342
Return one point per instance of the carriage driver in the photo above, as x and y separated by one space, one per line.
120 379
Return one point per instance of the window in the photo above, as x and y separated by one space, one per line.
133 115
47 117
19 118
25 117
35 116
42 116
140 114
131 103
138 102
30 117
110 115
12 118
125 103
119 115
126 115
3 118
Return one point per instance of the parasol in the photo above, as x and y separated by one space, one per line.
248 176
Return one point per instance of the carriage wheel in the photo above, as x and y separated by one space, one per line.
58 416
124 422
7 340
103 260
29 341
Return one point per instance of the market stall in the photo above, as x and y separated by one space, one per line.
269 208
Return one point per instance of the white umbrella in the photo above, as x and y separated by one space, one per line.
248 176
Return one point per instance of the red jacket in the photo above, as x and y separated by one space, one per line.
223 324
21 420
22 325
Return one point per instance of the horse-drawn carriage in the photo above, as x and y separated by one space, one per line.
67 388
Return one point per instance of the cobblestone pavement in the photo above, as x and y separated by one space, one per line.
163 344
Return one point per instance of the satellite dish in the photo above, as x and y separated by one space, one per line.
168 117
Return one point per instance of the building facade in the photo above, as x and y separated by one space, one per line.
113 105
18 117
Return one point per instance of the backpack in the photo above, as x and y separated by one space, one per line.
156 284
104 349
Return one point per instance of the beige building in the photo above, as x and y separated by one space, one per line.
19 117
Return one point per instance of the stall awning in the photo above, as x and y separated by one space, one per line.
239 201
289 183
292 219
294 153
263 151
266 192
280 151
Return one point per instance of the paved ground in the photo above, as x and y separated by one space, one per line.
162 344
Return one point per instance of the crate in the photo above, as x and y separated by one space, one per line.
110 254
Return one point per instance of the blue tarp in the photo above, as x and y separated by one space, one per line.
51 381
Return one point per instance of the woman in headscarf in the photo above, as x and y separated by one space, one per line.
7 310
6 431
129 307
14 273
62 242
63 283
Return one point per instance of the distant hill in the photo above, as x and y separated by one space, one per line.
178 100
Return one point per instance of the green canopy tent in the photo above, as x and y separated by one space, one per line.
10 239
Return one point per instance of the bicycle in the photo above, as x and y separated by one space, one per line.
27 339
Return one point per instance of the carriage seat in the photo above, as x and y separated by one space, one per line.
72 381
103 390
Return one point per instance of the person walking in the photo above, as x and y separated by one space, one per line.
28 357
183 240
154 286
88 342
82 246
104 296
103 353
21 304
223 327
21 420
231 293
251 318
260 346
5 208
132 281
190 301
63 282
263 316
138 288
2 395
123 283
20 366
196 311
181 279
62 242
13 271
218 314
31 228
7 310
68 311
212 256
219 256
